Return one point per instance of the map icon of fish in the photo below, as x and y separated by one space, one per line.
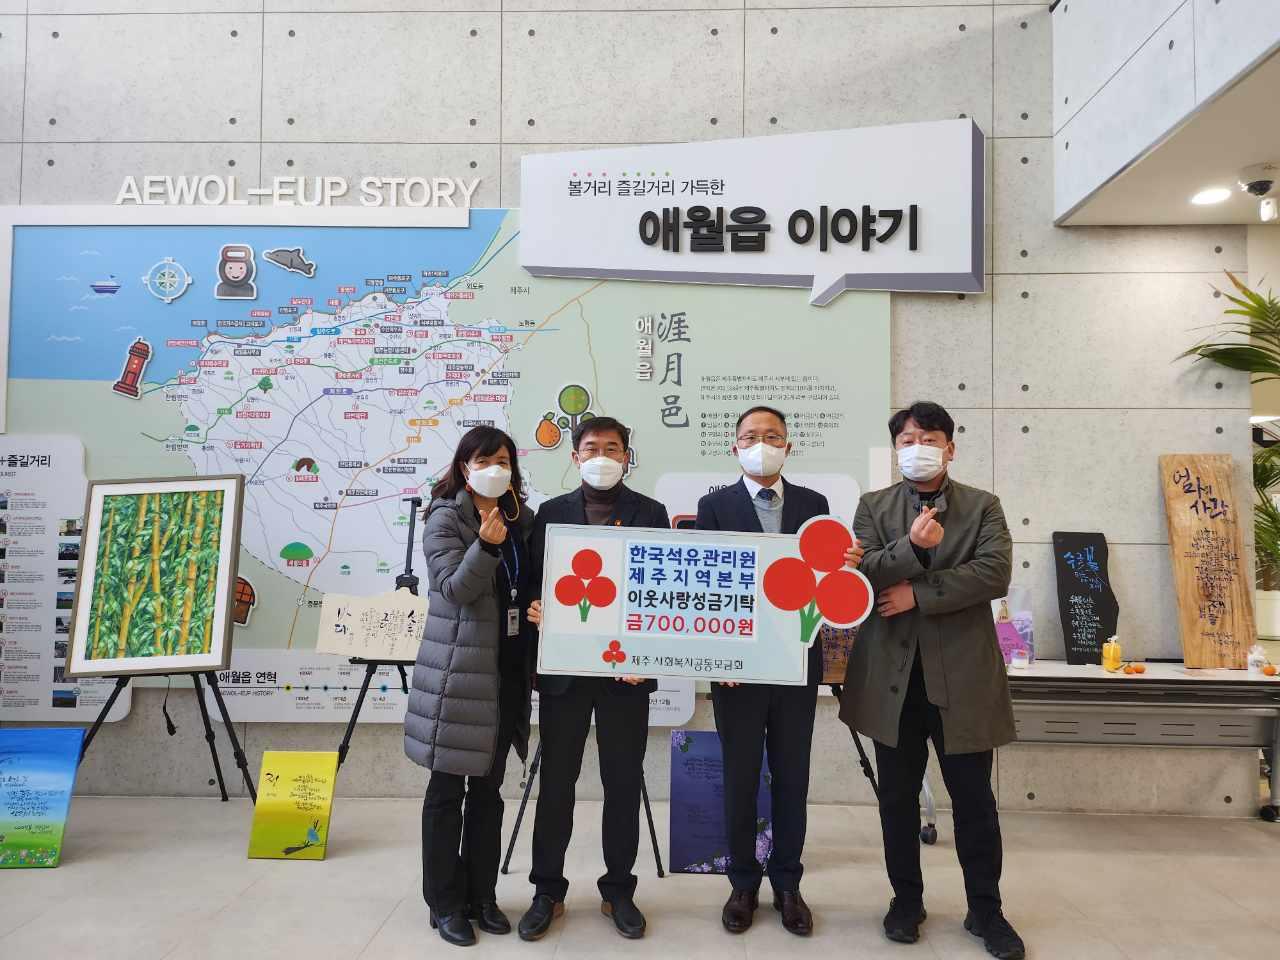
292 259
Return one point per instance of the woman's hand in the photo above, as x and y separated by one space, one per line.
493 529
534 613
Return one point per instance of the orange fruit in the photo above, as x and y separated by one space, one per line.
1139 668
1269 670
547 434
1128 668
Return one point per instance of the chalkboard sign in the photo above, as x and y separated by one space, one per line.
1086 601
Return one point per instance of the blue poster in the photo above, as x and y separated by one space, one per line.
37 773
698 842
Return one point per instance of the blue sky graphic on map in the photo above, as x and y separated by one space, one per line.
60 329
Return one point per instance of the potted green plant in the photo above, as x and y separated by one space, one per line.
1252 344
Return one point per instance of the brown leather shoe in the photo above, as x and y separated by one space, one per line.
739 910
796 916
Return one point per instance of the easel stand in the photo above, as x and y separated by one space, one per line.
929 832
405 581
370 668
524 802
212 679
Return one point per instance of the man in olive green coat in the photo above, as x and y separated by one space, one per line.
927 666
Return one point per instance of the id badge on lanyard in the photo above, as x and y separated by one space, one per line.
513 611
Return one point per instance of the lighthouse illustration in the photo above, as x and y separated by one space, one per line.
135 363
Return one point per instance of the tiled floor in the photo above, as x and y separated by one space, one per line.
168 878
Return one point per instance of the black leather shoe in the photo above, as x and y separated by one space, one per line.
537 919
489 918
454 928
999 937
902 922
626 917
739 911
797 918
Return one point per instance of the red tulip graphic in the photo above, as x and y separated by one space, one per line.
615 654
585 587
842 597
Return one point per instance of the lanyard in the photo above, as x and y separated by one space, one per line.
515 556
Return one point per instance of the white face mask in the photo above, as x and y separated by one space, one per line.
603 473
493 481
920 463
762 460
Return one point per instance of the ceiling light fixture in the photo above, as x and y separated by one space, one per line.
1210 195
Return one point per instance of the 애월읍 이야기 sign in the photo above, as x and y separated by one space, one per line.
896 207
709 605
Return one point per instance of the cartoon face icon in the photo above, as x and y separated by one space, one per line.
236 270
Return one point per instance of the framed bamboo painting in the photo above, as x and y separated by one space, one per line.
157 573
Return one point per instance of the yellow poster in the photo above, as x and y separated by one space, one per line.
295 797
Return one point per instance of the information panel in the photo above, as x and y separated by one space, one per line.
42 489
336 357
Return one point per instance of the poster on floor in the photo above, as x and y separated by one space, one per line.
698 840
295 800
37 773
42 487
341 390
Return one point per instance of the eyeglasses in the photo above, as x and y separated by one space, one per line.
772 439
589 450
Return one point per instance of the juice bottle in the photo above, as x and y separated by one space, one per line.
1111 656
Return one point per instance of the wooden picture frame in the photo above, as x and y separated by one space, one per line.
156 597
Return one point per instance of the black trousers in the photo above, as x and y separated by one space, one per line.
750 717
900 771
462 831
622 731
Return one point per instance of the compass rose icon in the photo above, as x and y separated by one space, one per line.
167 280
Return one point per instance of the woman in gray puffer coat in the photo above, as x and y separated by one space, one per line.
470 699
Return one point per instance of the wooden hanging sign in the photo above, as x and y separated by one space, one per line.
1206 545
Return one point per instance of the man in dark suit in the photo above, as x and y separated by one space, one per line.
750 716
565 706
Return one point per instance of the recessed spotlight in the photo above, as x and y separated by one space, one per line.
1211 195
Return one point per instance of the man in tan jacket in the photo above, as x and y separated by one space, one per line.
927 666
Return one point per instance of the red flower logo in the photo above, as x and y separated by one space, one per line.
615 654
585 588
841 597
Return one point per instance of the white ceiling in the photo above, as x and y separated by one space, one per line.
1238 128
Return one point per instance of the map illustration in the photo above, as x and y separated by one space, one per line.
337 368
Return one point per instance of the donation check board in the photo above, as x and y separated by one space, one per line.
709 605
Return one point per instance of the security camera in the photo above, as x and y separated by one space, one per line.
1260 178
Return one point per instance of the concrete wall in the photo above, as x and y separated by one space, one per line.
1263 251
1125 74
1060 374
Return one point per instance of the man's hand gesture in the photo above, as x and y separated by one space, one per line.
926 532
